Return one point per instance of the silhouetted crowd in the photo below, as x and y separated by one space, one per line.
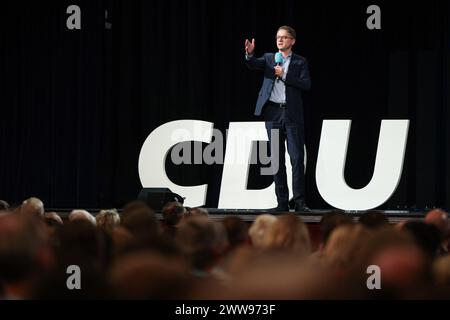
189 255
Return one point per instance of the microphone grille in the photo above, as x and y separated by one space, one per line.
278 57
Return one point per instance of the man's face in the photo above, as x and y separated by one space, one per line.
284 40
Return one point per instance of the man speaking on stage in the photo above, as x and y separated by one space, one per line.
280 103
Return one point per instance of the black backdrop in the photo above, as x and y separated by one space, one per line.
76 105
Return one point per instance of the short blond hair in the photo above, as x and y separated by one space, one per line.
347 245
259 227
289 232
108 219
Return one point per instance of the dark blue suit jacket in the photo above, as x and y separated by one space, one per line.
297 79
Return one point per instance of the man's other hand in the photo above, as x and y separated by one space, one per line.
279 71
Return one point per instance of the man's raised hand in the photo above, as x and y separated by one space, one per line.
249 46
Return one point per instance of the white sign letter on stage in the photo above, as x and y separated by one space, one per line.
233 191
387 171
154 152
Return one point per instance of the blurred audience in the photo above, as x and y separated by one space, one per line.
190 255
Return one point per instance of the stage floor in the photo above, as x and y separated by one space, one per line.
314 216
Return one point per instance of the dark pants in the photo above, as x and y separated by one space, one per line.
276 118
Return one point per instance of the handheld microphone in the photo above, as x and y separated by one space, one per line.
279 60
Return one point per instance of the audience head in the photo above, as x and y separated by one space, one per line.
147 275
401 268
237 231
33 207
77 240
288 233
258 229
373 219
4 206
141 222
197 212
403 265
52 219
426 236
79 214
172 213
133 206
202 240
108 219
347 246
439 219
331 221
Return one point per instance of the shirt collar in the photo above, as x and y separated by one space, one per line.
288 57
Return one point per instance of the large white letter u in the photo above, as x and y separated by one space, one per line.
387 171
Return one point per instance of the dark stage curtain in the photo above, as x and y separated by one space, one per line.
77 105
